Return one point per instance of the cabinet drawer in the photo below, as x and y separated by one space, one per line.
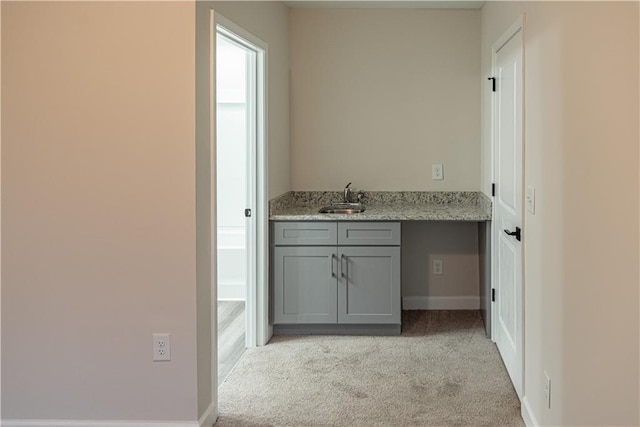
305 233
369 233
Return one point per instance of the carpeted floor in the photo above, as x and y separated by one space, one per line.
442 371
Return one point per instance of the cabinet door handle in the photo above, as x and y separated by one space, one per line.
342 265
333 256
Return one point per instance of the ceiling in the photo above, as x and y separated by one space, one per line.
386 4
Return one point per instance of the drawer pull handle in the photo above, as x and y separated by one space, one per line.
342 265
333 256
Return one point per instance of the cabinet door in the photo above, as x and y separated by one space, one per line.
369 285
305 285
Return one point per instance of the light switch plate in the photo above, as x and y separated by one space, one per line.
531 199
547 389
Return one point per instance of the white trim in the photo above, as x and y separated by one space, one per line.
262 210
441 303
208 418
96 423
527 414
0 223
213 249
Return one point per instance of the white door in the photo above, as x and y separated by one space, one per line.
508 202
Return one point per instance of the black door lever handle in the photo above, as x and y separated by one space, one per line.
517 233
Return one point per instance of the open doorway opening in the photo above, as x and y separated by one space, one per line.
239 134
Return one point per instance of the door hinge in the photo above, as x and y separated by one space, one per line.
493 83
493 190
493 295
247 213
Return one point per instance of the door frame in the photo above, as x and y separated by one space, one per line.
258 330
257 304
517 26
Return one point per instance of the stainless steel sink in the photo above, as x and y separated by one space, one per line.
343 208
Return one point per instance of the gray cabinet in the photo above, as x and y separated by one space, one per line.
369 233
369 285
305 285
305 233
336 273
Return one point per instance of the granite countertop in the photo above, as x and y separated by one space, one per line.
385 206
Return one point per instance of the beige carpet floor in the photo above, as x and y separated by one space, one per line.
442 371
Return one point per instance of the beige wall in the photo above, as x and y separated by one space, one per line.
581 246
456 244
120 195
378 95
269 21
98 212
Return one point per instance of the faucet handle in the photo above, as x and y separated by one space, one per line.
360 196
346 193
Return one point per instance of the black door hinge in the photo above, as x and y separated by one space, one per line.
493 190
247 213
493 295
493 83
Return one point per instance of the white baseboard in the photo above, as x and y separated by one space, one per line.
441 303
95 423
208 417
527 414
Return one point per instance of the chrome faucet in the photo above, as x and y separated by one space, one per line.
347 194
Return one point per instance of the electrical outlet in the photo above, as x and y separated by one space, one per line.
437 172
437 267
161 347
547 390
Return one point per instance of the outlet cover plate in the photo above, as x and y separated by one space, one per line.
161 347
437 172
437 267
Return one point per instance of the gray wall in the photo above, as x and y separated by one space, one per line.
378 95
455 243
484 259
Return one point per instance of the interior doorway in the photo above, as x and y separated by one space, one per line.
240 138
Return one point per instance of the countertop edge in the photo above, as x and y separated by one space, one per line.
439 206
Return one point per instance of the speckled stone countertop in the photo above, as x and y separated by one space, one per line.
385 206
